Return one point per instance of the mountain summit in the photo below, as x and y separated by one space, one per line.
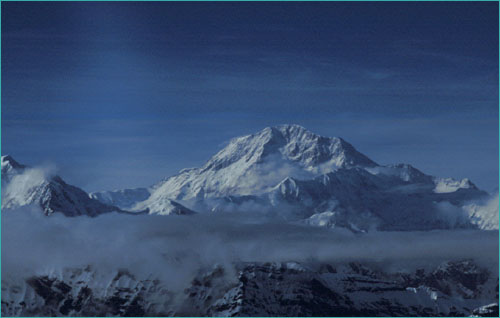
317 180
292 143
24 186
284 170
255 163
10 167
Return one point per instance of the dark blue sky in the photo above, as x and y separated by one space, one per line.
123 94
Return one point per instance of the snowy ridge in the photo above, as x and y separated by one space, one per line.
170 207
244 166
24 186
124 199
285 170
447 185
10 168
290 170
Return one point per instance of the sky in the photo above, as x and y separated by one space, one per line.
122 95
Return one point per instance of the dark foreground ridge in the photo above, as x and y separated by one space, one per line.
265 289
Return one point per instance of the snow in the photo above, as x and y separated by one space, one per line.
324 219
288 168
10 168
170 207
254 163
314 181
124 199
447 185
484 215
290 171
25 186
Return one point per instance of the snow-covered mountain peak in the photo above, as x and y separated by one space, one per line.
10 168
295 173
447 185
312 150
255 163
6 159
292 143
9 164
248 149
25 186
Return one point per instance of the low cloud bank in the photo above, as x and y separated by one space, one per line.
174 248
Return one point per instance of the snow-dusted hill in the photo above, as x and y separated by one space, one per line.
290 171
24 186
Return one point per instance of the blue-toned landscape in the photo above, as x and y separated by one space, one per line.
250 159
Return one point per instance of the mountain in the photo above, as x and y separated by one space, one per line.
124 199
169 207
23 186
252 164
10 168
285 289
485 216
128 198
322 181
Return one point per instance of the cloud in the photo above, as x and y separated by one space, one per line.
451 214
174 248
271 171
20 187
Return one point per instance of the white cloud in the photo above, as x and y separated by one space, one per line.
174 248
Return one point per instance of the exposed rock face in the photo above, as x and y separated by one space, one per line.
263 289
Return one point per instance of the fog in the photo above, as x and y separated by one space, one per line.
174 248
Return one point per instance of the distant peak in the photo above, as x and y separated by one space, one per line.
291 142
7 160
10 167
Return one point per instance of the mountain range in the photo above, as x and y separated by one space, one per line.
284 171
280 176
300 176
